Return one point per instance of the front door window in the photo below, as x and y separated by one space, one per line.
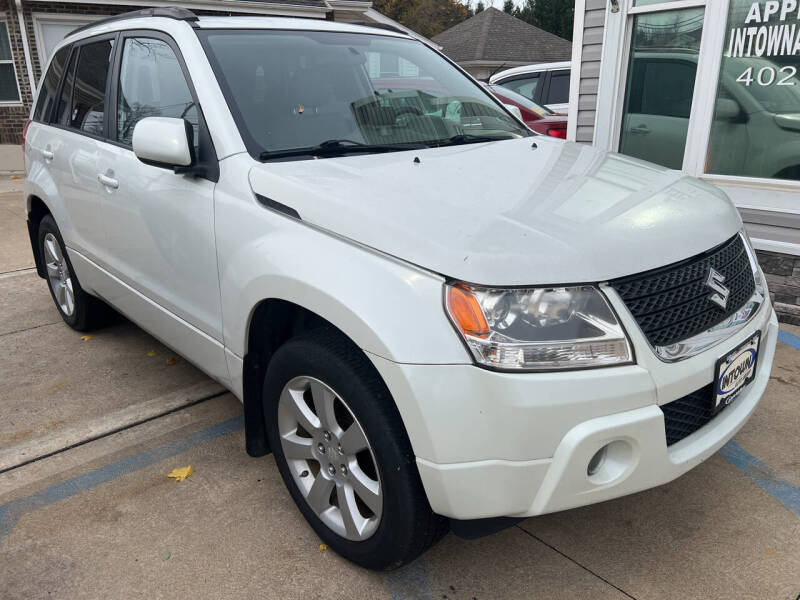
151 84
660 86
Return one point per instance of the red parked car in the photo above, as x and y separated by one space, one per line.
540 119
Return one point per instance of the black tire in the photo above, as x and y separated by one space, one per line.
407 525
89 312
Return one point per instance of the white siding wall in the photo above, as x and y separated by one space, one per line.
594 21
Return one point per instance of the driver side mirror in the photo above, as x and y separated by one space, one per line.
727 109
164 142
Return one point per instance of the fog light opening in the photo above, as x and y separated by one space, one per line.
610 463
597 460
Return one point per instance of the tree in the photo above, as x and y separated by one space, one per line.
479 7
426 17
508 7
555 16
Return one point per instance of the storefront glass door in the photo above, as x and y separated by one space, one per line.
662 67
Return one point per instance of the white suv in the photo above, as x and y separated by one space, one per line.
432 316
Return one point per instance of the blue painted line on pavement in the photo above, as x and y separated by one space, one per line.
789 338
763 476
11 512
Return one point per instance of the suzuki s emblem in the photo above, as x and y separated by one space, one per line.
714 282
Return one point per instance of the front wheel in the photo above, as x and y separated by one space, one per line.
342 450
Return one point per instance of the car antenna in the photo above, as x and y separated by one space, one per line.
497 70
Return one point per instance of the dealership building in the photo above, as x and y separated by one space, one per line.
710 87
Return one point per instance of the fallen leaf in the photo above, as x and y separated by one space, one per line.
323 546
86 337
172 361
165 555
152 353
182 473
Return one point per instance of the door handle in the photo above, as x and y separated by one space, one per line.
640 130
48 154
108 181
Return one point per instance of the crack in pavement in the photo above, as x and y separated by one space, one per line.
28 328
84 433
17 272
572 560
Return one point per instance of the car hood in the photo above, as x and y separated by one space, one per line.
508 213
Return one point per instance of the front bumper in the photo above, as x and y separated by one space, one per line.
494 444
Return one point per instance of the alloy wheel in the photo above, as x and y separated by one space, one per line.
59 275
330 458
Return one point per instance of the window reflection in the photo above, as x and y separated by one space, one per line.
660 85
756 127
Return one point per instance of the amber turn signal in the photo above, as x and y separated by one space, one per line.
466 312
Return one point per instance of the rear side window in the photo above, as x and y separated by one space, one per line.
49 87
151 84
559 88
63 109
524 85
88 99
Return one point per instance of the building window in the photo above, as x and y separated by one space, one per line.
756 126
9 90
660 86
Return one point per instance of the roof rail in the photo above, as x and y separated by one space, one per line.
169 12
384 26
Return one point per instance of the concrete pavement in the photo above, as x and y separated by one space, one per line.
11 160
101 519
15 252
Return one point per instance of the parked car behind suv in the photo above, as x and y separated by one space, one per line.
432 316
538 118
544 83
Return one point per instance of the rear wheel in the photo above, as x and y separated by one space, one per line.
343 452
78 309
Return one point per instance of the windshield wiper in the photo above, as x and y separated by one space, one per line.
338 148
463 138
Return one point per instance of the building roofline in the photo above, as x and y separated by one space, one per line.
241 6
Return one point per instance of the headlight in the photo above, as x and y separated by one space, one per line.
761 285
538 328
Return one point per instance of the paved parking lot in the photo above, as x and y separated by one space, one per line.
100 519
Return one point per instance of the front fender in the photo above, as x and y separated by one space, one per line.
387 307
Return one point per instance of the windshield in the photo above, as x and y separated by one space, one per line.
297 89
